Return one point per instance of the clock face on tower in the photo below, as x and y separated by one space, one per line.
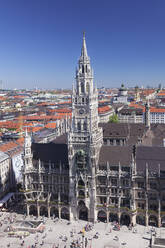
81 111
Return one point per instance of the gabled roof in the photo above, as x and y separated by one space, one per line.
56 153
115 129
153 156
115 155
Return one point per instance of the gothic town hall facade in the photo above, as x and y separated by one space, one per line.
106 172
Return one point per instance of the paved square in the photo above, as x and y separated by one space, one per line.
61 234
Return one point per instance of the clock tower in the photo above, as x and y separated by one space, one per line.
84 141
28 165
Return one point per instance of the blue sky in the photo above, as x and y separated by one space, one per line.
40 42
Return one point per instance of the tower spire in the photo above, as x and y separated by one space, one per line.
84 48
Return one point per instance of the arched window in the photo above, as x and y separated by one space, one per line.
82 68
81 183
82 87
81 193
85 126
87 87
79 126
86 68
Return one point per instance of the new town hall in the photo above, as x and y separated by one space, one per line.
106 172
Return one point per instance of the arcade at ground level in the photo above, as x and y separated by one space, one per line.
123 218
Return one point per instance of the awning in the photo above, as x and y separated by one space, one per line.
5 198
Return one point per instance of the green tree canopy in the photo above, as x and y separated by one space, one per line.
114 118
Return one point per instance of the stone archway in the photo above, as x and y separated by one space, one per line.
163 221
43 211
64 213
113 217
102 216
54 212
81 183
140 219
125 219
33 210
83 213
23 210
153 221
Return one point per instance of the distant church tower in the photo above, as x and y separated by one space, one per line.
84 141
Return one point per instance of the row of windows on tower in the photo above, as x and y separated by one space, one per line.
81 126
84 68
84 88
83 100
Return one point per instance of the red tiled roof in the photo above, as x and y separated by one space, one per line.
51 125
104 109
157 110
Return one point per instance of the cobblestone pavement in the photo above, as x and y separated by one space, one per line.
58 234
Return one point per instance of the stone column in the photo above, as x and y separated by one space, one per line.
92 194
119 215
38 210
59 211
146 218
133 219
48 211
159 212
27 208
107 216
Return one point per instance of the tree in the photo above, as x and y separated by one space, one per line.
113 118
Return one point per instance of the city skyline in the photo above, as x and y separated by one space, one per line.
41 40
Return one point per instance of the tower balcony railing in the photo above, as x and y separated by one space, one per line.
113 173
125 174
101 172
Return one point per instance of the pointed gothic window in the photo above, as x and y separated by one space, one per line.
82 87
86 68
79 126
85 126
87 87
82 68
81 183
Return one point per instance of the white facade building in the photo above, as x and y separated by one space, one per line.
4 174
122 96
